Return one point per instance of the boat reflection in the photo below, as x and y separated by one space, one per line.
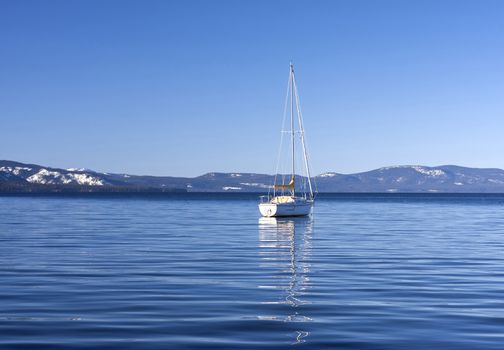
285 249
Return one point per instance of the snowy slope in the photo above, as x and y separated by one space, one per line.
404 178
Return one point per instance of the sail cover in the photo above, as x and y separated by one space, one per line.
289 186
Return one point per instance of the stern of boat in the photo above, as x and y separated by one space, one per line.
268 209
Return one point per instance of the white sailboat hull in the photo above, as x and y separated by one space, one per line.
286 209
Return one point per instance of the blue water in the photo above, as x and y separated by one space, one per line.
205 272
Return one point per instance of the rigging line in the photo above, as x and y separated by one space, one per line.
303 141
291 77
281 137
308 162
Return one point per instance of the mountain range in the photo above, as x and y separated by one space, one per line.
21 177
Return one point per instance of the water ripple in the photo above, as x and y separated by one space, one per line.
206 273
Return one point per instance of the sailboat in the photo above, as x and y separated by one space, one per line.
291 197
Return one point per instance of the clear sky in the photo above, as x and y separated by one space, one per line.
187 87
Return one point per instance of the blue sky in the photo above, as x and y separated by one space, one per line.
188 87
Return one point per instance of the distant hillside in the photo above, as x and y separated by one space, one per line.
413 178
20 177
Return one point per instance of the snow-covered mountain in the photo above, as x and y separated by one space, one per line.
36 174
414 178
407 178
45 176
20 177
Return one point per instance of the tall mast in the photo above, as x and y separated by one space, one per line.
292 123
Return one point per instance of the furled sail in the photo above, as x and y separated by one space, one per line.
289 186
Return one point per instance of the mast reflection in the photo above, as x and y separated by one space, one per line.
285 249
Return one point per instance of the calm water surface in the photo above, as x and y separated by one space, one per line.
200 272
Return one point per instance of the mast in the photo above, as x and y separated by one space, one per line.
292 124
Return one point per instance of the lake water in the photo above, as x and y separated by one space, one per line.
205 272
